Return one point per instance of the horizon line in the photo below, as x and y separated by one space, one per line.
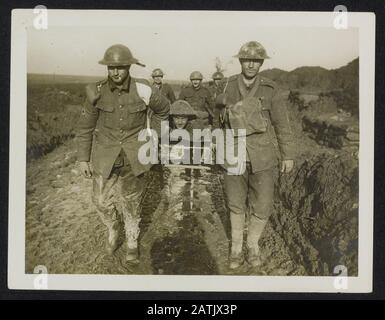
95 76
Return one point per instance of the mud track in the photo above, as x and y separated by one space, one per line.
185 226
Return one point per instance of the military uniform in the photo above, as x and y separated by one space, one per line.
107 134
215 89
201 101
166 90
262 112
262 150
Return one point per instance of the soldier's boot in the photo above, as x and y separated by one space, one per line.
132 255
236 257
255 229
132 234
113 237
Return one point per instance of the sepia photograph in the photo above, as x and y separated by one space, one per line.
177 150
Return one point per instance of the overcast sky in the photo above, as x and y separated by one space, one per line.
181 48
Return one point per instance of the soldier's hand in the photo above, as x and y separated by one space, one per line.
85 169
287 166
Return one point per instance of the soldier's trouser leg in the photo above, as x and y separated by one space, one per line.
103 197
261 200
236 194
130 191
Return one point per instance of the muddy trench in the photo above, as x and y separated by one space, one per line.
185 227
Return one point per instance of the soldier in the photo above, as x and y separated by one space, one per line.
113 115
216 87
181 115
201 101
164 88
254 103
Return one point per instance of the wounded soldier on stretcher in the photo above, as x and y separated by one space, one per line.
182 146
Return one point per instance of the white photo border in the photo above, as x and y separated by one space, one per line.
22 19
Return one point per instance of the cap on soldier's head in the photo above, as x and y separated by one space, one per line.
157 73
119 55
218 75
196 75
182 108
252 50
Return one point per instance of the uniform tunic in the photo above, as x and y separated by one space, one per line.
166 90
216 89
111 121
202 102
261 149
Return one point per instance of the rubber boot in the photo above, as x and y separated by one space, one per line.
113 237
132 234
254 231
132 255
237 226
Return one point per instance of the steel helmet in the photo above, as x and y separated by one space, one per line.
196 75
252 50
182 108
157 73
119 55
218 75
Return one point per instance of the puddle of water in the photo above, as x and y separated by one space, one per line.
183 250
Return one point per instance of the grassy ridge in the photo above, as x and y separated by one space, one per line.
52 112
